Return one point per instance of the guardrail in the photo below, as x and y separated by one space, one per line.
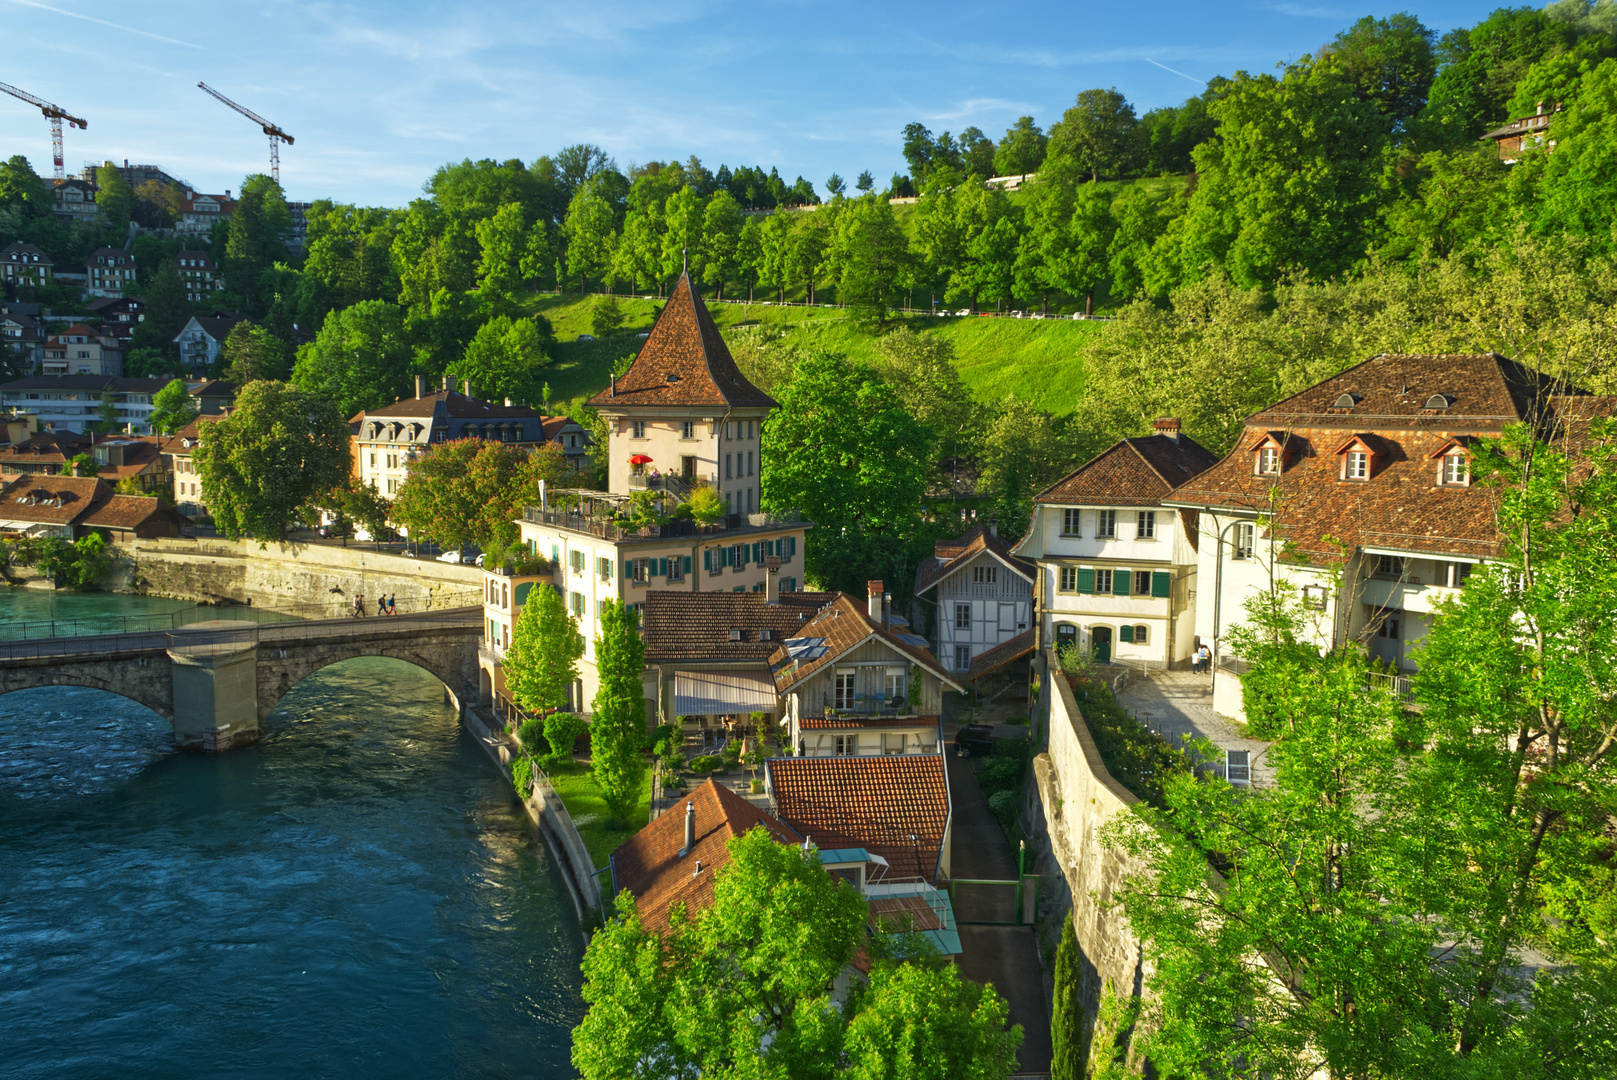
211 641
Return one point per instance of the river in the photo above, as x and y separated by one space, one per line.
358 895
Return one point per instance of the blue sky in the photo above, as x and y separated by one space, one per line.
379 94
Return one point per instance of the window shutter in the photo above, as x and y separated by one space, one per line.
1161 583
628 568
1125 634
792 542
757 553
687 565
707 560
1086 579
1122 581
521 596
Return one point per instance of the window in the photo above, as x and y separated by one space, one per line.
1243 541
1142 635
892 743
1106 524
578 604
687 429
1389 626
1314 596
845 744
728 475
637 429
603 568
962 616
1142 583
1069 579
843 689
639 571
1391 566
576 559
1147 527
1269 461
1456 469
962 657
1070 521
1453 574
1103 581
676 567
1238 767
749 464
984 575
1358 465
894 687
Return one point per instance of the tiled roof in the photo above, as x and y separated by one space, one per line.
844 623
859 723
683 362
102 303
117 384
51 500
649 864
184 441
131 512
455 405
1401 506
948 555
46 446
991 660
218 326
215 388
684 625
20 248
878 802
553 426
1133 472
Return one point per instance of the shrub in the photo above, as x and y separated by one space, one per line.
706 763
1005 805
1066 1008
562 729
1136 758
522 775
531 737
1000 773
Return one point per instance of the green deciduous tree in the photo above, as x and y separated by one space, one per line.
277 449
505 359
920 1022
251 352
113 197
256 239
1098 134
172 408
360 359
1021 150
542 662
618 713
470 491
871 258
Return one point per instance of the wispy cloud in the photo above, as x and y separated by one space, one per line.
1300 11
104 22
1181 74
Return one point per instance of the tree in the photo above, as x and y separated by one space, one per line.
256 239
542 661
720 257
503 241
360 359
251 352
976 153
276 450
865 183
1021 150
922 371
21 188
872 258
835 185
469 491
1575 193
1479 67
167 311
113 197
920 1022
1099 134
618 713
172 408
504 359
1390 61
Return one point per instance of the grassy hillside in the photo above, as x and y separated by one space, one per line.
1038 360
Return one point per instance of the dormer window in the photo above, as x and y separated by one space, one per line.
735 635
1456 468
1358 466
1269 461
1358 456
1345 403
1437 403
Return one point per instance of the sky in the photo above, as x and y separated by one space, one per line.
378 95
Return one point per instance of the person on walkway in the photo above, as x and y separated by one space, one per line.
381 606
359 605
1204 660
392 609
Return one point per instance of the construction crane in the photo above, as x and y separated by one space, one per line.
56 114
276 135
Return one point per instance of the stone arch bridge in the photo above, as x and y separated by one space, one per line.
216 681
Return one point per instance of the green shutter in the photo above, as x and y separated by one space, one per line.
520 597
1125 634
687 566
792 541
1086 579
1122 582
757 553
628 568
707 560
1161 583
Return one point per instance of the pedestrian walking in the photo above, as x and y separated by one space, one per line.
381 606
359 605
392 609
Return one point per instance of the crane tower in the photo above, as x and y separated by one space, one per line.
56 114
276 135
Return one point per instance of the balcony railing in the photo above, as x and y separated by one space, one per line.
606 529
1397 685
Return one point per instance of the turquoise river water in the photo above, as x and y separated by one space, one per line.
358 895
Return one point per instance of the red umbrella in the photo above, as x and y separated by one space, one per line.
640 459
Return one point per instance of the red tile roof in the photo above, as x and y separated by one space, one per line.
456 405
858 723
649 864
683 362
131 512
949 555
873 802
991 660
1134 472
844 623
682 625
51 500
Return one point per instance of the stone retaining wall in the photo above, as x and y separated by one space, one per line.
287 575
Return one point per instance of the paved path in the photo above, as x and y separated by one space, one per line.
1007 956
1179 704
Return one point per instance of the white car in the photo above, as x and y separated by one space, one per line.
964 311
586 337
450 556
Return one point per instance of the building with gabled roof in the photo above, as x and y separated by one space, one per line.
25 264
982 593
1359 491
108 271
1117 568
203 336
69 507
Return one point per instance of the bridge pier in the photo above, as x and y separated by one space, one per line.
215 690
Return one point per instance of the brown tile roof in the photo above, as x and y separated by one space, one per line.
1401 506
844 623
683 362
51 500
682 625
873 802
948 555
454 404
856 723
131 512
1134 472
44 447
991 660
649 864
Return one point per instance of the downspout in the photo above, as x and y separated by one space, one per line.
1218 601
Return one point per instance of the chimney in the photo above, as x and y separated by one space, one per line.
886 611
614 391
1166 425
993 525
772 580
873 606
690 831
446 383
420 386
507 403
227 194
468 390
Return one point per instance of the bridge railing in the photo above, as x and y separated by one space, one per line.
212 642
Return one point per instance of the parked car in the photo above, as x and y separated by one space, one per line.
450 556
586 337
975 739
326 532
964 311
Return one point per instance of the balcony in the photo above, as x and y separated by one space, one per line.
605 528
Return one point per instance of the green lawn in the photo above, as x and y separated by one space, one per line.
1040 360
577 789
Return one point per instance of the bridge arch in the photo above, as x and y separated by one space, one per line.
145 683
451 657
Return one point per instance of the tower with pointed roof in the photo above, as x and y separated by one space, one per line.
684 411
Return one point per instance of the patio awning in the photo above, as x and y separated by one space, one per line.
710 693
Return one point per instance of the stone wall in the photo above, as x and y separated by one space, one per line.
290 576
1072 798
